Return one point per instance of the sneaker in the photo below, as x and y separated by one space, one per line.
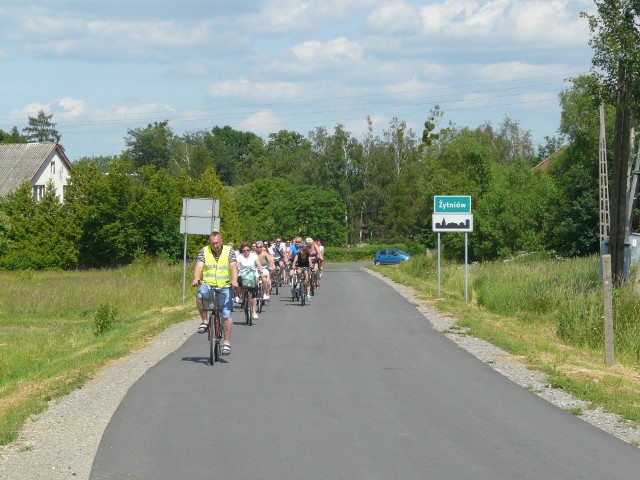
204 326
255 316
308 298
266 297
226 349
237 299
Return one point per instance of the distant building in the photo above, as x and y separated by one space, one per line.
36 163
544 164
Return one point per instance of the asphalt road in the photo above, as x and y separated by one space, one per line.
357 385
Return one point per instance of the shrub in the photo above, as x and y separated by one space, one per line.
105 319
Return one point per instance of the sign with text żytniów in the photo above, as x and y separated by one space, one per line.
452 213
452 204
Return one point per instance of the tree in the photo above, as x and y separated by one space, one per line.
12 137
616 61
234 153
275 207
209 185
153 145
429 136
514 144
41 129
39 234
575 169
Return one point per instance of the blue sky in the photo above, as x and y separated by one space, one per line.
102 67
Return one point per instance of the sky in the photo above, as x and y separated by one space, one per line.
105 67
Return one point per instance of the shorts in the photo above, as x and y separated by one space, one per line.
228 304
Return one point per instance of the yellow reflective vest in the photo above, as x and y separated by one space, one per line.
217 273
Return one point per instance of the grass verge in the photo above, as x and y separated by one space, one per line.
58 328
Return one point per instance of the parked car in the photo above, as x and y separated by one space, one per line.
388 256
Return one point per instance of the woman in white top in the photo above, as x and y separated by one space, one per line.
266 262
246 260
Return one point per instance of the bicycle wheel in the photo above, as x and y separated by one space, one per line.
218 343
246 305
312 286
293 291
303 291
249 311
276 282
212 339
259 296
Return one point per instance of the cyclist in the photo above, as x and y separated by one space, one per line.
295 247
266 262
216 268
246 261
316 257
302 260
321 258
277 252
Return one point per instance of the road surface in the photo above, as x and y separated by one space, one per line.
356 385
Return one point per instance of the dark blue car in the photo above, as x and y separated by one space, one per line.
388 256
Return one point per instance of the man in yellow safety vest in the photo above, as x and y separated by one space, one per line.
216 268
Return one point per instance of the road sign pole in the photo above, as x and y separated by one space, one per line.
466 267
184 271
438 264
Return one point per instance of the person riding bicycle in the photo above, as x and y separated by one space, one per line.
320 248
316 257
300 261
216 269
266 262
295 247
247 260
277 252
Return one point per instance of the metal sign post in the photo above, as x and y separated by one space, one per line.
452 213
200 216
438 264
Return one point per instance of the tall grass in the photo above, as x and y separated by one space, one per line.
57 328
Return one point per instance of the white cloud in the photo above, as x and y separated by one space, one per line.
30 110
545 21
497 72
282 17
262 123
336 51
256 91
394 17
73 107
123 39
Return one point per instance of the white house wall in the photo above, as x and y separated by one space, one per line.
60 177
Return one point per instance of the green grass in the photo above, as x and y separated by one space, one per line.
58 328
547 312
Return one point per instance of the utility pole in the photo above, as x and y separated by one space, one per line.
603 181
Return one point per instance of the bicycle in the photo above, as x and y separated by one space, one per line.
247 304
302 282
294 283
275 282
213 302
312 282
259 295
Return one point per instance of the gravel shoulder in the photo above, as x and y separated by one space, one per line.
61 442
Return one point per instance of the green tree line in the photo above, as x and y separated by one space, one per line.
328 184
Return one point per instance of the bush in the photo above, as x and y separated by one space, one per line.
105 319
25 260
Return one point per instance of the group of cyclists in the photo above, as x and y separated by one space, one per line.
224 269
